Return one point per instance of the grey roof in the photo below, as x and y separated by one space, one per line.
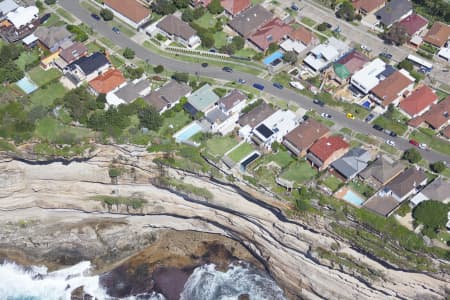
167 94
216 116
250 20
174 26
353 162
131 91
7 6
393 11
383 169
256 115
406 181
438 190
89 64
230 100
381 203
49 36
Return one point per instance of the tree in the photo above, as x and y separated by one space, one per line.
215 7
181 3
290 57
406 64
158 69
39 5
272 48
106 14
207 39
438 166
346 11
149 118
133 73
128 53
228 49
163 7
188 15
199 12
432 214
50 2
101 101
322 27
238 42
10 72
180 77
412 155
396 34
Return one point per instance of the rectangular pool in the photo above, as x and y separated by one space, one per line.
353 198
274 56
187 132
27 85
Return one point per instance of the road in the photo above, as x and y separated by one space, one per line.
143 53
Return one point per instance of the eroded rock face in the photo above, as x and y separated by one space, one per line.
11 181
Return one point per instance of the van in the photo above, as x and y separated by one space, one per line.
258 86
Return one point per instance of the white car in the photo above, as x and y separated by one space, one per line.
390 143
423 146
297 85
325 115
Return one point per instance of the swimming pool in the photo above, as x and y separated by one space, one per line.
353 198
269 59
187 132
26 85
250 158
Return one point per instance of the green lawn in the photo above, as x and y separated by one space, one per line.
93 47
65 15
42 77
282 158
124 28
299 172
173 123
220 39
240 152
50 130
309 22
218 145
27 57
206 21
397 127
361 188
245 52
108 43
332 183
283 77
46 95
389 149
54 20
116 61
433 142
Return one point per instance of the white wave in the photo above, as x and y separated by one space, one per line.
207 283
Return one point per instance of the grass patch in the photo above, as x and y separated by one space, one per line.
173 121
433 142
206 21
116 61
361 188
389 149
282 158
124 28
346 131
217 146
299 172
54 20
332 183
245 52
240 152
65 15
220 39
42 77
50 130
128 202
309 22
48 94
108 43
392 125
93 47
186 188
5 146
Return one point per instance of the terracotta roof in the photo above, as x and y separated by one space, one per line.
367 5
107 82
446 132
419 99
301 34
438 115
389 89
354 61
305 134
438 34
326 146
131 9
235 6
73 52
413 23
271 32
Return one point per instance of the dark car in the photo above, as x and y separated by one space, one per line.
369 118
318 102
328 25
385 54
278 85
44 18
294 7
377 127
116 30
258 86
393 134
204 65
212 50
96 17
227 69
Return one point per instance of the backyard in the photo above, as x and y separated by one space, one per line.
218 145
240 152
47 94
42 77
49 130
206 21
299 172
332 183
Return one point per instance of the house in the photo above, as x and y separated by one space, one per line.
86 68
303 136
201 100
444 53
365 7
274 128
414 24
394 11
168 95
256 115
30 41
220 122
348 65
392 89
323 55
382 171
130 11
299 38
73 52
418 102
326 150
235 7
438 34
107 82
437 117
224 116
271 32
20 23
53 38
7 6
446 132
232 103
438 190
352 163
250 20
370 75
394 193
178 31
132 90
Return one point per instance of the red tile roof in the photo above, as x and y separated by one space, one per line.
354 61
446 132
438 34
107 82
131 9
367 5
301 34
234 7
437 116
389 89
418 100
413 23
271 32
326 146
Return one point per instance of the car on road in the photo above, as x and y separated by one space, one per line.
377 127
241 81
386 55
95 17
423 146
319 102
294 7
116 30
325 115
278 85
297 85
350 116
227 69
369 118
204 65
414 142
366 48
45 18
393 134
390 143
329 26
258 86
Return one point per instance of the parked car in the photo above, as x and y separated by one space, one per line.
350 116
377 127
325 115
369 118
319 102
393 134
387 55
116 30
366 48
45 18
204 65
414 142
227 69
241 81
390 143
423 146
258 86
294 7
212 50
278 85
328 25
96 17
297 85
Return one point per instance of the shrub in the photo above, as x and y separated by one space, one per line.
158 69
322 27
412 155
438 167
432 214
128 53
106 14
50 2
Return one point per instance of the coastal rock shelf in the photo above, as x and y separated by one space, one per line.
56 200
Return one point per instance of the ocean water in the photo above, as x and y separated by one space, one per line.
206 283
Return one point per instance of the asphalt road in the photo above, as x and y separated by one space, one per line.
143 53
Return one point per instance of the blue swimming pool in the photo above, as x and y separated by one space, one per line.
353 198
187 132
366 104
27 85
274 56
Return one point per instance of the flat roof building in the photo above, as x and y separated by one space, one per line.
367 78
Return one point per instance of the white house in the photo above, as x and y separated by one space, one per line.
130 11
323 55
274 128
224 116
7 6
368 77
